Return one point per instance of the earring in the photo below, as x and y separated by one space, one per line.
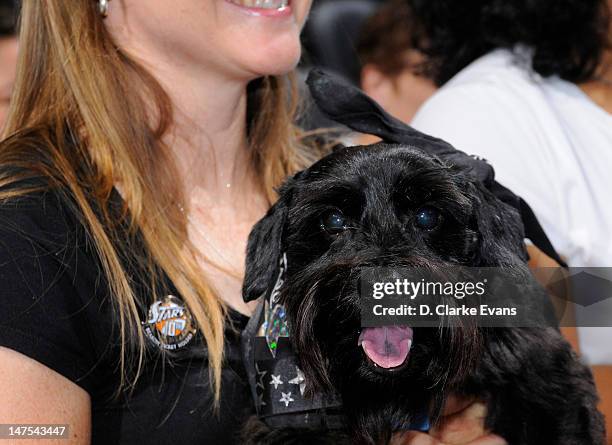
103 7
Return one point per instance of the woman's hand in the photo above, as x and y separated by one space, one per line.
462 423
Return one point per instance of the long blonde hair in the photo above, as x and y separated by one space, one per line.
77 118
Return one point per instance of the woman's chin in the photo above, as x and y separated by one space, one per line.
273 62
277 69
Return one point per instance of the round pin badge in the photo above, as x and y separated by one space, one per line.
169 324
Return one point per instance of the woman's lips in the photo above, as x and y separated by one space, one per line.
264 8
262 4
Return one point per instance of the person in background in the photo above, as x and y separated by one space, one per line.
8 54
528 86
389 63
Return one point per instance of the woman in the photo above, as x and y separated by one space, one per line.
145 138
130 117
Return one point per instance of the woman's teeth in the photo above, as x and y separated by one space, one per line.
263 4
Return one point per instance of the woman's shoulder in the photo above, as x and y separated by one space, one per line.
47 279
34 210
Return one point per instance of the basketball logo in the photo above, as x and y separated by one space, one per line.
169 324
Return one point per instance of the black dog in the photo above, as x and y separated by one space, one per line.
395 205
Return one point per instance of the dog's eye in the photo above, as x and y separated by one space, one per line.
428 218
333 221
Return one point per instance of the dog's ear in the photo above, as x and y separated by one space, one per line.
265 247
348 105
499 229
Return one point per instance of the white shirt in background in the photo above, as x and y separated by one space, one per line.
550 144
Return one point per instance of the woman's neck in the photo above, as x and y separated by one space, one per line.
222 193
208 137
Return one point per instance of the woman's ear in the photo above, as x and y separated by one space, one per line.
264 250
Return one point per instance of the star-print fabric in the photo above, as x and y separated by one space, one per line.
280 383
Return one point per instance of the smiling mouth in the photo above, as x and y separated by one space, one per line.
262 4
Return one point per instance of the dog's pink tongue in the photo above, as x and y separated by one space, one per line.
388 346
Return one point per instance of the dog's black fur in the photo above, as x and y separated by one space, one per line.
536 389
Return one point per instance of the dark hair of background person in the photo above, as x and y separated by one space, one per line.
385 37
8 17
568 37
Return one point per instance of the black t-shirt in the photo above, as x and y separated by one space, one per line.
55 308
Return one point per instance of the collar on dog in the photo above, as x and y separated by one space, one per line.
277 383
275 321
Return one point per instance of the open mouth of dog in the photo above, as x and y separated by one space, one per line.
387 347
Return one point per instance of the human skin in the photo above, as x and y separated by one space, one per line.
8 65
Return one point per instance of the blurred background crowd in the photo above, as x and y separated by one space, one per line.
526 84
